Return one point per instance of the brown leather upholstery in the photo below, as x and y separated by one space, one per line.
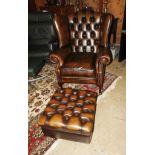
70 111
62 31
79 64
86 49
84 32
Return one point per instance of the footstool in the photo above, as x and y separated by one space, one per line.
70 114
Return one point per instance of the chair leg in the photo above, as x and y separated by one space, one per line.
101 79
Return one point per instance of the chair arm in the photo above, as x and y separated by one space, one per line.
104 55
58 56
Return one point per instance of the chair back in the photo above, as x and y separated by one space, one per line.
85 31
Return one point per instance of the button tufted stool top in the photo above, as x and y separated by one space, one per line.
70 110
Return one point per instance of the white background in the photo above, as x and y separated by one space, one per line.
140 112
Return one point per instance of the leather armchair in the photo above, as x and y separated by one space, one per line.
84 48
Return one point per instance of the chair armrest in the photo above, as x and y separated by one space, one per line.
104 55
58 56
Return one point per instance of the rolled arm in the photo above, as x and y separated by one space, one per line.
104 55
60 55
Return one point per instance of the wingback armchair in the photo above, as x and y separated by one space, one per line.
84 48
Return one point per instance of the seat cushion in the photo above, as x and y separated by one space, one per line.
34 65
80 64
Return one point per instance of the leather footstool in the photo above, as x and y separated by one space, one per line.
70 114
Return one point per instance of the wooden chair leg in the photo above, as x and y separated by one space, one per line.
101 80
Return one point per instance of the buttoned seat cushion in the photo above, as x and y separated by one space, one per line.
79 64
70 111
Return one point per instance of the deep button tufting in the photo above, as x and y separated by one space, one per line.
87 127
49 111
88 108
76 34
83 19
60 111
92 19
96 26
82 93
88 94
53 103
92 34
56 121
73 97
90 100
84 48
84 119
77 110
96 41
68 92
58 95
80 101
92 94
92 49
64 100
90 116
75 116
68 113
76 48
80 42
80 27
88 27
61 91
85 110
67 95
74 123
62 107
66 117
88 42
75 92
75 19
72 26
70 105
84 35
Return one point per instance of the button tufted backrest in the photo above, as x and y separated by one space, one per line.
85 31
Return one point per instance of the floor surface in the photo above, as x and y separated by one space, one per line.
109 132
